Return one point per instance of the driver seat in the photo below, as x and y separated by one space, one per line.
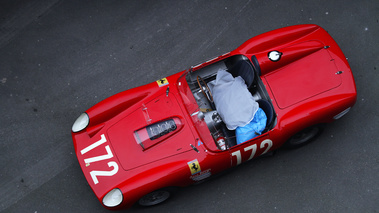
267 107
244 69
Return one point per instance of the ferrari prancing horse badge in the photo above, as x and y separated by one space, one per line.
194 166
162 82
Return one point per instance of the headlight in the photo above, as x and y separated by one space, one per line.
81 122
342 113
113 198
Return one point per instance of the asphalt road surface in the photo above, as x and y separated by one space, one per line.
58 58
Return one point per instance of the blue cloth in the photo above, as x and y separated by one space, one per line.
252 129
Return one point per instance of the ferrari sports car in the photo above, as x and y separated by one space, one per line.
277 89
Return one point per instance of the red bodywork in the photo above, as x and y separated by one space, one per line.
310 84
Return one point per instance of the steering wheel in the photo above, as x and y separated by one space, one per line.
205 89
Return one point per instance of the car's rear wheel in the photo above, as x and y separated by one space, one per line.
304 137
154 198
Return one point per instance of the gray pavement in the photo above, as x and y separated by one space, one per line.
58 58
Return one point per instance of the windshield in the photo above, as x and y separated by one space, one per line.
193 109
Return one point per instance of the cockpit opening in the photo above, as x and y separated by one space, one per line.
222 110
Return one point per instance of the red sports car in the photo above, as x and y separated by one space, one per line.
277 89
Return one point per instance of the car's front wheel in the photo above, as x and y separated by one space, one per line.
304 137
154 198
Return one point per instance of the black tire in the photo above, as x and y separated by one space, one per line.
154 198
304 137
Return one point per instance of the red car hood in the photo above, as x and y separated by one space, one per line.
108 150
124 140
308 70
